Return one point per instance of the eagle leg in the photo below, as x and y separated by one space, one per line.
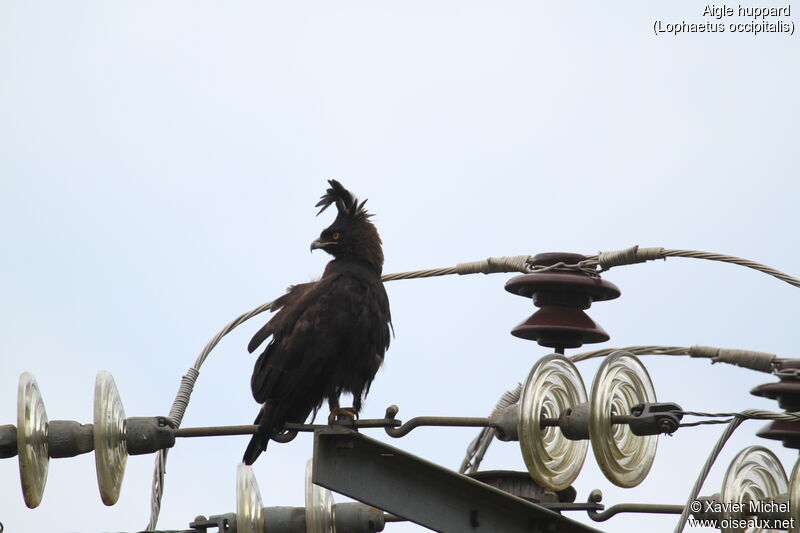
342 413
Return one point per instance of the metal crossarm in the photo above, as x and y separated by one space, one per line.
423 492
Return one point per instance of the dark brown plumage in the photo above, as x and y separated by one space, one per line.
327 336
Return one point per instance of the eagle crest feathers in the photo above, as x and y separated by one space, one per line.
346 203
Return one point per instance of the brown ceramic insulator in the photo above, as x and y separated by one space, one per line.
787 432
786 391
560 327
562 296
562 287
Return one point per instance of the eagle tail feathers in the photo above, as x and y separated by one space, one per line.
258 443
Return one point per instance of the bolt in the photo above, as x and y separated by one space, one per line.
667 426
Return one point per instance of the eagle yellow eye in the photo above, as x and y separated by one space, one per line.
336 236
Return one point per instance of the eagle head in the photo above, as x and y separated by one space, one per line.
351 235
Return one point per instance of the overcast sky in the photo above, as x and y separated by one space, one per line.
160 162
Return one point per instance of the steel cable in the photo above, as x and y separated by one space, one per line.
521 263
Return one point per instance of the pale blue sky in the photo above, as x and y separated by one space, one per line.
159 164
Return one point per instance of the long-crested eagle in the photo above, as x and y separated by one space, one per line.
328 336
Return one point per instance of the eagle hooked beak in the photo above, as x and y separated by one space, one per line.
319 243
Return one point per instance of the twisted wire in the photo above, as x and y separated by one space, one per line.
521 263
791 280
726 434
738 418
635 254
781 373
516 263
180 403
414 274
749 414
704 423
490 265
603 260
760 361
477 448
636 350
480 444
754 360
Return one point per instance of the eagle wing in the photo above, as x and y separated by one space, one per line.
335 330
287 308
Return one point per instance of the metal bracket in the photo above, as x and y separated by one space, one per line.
596 496
148 434
8 442
652 418
224 523
423 492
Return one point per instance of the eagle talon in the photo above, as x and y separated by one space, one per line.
342 414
